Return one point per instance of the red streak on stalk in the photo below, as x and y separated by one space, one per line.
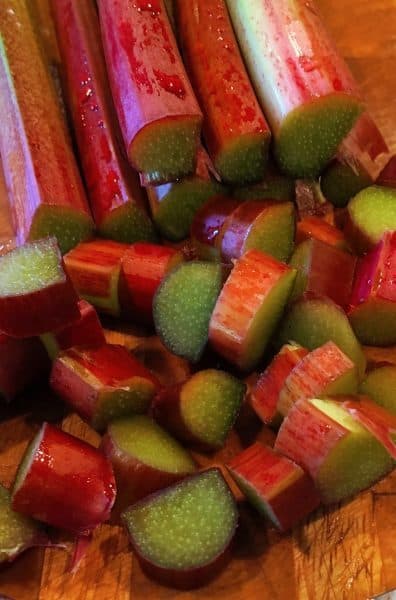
319 229
110 180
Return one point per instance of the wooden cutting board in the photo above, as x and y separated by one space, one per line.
347 551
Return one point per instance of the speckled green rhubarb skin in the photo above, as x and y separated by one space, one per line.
374 322
147 442
355 463
128 224
133 398
183 306
380 385
313 322
185 526
339 183
244 160
209 404
273 232
373 211
68 226
166 150
17 532
175 212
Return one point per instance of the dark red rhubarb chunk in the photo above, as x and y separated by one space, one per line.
65 482
103 383
275 485
387 177
207 225
23 362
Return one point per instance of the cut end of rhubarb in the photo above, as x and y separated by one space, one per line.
185 529
128 224
166 150
340 183
68 226
380 385
244 160
273 231
310 135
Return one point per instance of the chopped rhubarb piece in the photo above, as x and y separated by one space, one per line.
265 394
314 321
114 191
36 295
23 362
17 532
264 225
305 87
46 193
319 229
64 482
234 127
143 267
387 177
324 371
86 331
94 268
373 302
273 187
379 357
207 225
369 215
183 306
103 383
324 270
7 229
42 14
182 534
311 202
145 458
249 308
202 410
159 116
340 455
276 486
358 162
380 385
174 205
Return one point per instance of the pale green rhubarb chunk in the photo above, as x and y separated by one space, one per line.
372 212
67 225
380 385
128 224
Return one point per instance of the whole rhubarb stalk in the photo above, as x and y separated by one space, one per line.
159 115
115 195
305 87
235 129
45 189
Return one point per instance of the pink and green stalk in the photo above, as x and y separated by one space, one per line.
304 86
159 116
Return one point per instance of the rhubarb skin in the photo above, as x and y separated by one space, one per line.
159 116
264 225
102 383
114 192
373 303
143 267
46 486
276 486
324 270
249 307
23 363
380 385
387 177
265 394
305 87
319 229
86 331
94 268
46 193
324 371
235 130
340 455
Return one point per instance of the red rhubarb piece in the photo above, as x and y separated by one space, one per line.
159 116
319 229
64 482
387 177
23 363
275 485
207 225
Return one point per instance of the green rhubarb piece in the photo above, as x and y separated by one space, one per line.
209 404
374 322
175 212
148 443
273 232
373 212
68 226
244 160
17 532
301 261
355 463
309 136
340 183
275 187
166 150
380 385
134 397
183 306
187 525
312 322
128 224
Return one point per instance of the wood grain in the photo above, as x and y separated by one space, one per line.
346 551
